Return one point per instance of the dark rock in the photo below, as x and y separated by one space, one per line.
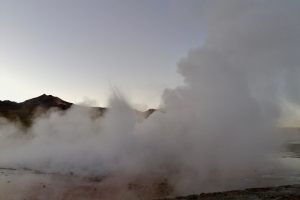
46 101
6 104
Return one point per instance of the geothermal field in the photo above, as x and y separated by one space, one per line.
230 123
71 154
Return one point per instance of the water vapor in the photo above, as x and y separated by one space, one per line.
218 125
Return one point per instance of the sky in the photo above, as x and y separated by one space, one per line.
78 50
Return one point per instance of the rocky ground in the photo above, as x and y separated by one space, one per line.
35 185
282 192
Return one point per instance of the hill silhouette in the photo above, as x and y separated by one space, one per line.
46 101
25 111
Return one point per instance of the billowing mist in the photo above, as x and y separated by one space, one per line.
218 125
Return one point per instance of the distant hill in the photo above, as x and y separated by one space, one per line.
46 101
25 111
43 101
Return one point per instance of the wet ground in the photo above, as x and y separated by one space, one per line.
291 192
34 185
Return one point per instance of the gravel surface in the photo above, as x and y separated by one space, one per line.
281 192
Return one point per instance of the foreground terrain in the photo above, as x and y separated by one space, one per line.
35 185
280 192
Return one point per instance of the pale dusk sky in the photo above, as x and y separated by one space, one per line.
79 49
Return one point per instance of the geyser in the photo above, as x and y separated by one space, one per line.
218 125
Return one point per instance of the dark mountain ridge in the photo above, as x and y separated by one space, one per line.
24 111
43 101
46 101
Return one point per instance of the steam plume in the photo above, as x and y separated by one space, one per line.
218 125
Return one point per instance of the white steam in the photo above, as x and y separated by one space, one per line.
217 126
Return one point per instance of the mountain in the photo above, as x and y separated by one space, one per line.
43 101
25 111
46 101
6 104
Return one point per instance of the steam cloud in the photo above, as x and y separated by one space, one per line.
218 125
